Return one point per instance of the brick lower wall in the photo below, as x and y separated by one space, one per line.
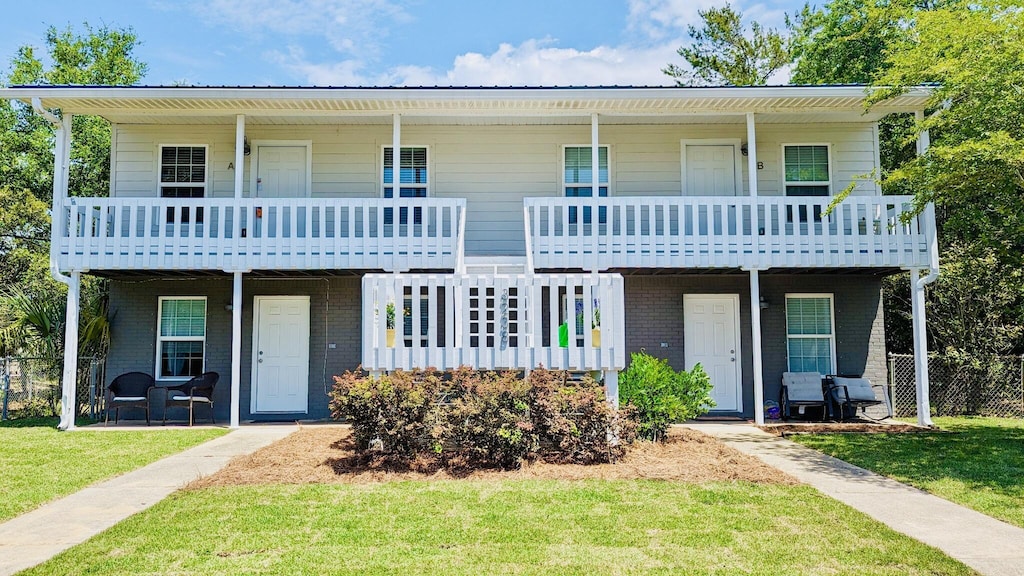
653 311
335 314
655 323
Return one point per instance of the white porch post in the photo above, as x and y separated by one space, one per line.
239 153
755 343
70 380
611 387
595 157
396 153
236 347
751 155
924 412
918 310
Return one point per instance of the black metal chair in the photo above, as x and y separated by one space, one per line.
802 390
198 390
850 394
130 390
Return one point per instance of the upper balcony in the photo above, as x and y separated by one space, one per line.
259 234
729 232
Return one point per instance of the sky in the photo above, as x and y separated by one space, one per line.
390 42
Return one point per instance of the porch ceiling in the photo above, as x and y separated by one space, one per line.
467 105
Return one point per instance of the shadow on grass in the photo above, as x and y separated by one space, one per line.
41 422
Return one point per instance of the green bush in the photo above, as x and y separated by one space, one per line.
391 413
660 396
574 421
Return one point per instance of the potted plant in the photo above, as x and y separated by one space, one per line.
595 325
389 318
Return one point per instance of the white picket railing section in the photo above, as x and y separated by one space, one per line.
729 232
493 321
259 233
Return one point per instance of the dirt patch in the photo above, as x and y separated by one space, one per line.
844 428
325 454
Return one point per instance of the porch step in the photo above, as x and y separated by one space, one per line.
495 264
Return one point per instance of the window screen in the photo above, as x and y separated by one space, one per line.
809 336
181 337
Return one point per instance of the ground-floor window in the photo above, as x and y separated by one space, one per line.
181 337
810 333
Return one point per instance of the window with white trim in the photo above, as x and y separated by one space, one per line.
181 337
807 174
810 333
183 171
413 180
578 178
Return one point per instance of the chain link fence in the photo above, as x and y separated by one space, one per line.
31 388
959 387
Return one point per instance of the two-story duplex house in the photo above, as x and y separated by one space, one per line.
280 236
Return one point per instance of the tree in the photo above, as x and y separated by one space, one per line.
722 53
102 56
973 54
31 302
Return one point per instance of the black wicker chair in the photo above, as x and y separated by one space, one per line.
198 390
130 390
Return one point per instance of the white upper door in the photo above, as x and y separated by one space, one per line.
281 172
712 338
710 170
281 352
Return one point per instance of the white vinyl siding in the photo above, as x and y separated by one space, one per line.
493 167
180 337
810 333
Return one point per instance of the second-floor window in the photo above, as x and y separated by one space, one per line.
183 175
807 174
578 178
413 181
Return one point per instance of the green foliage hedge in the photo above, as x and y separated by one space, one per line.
659 396
470 418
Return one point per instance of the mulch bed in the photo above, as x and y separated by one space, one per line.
844 428
325 454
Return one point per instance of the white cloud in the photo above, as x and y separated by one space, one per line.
353 27
661 18
532 63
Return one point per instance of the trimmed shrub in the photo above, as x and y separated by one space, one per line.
487 422
471 418
574 420
660 396
392 413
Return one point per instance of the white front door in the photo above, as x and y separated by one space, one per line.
280 354
712 338
710 169
281 172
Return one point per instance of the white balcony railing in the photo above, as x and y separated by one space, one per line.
728 232
489 321
259 233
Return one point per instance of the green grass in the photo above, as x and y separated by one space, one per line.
980 464
38 463
502 527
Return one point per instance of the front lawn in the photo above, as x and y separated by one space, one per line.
979 463
38 463
502 527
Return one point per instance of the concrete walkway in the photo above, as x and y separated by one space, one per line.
37 536
990 546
